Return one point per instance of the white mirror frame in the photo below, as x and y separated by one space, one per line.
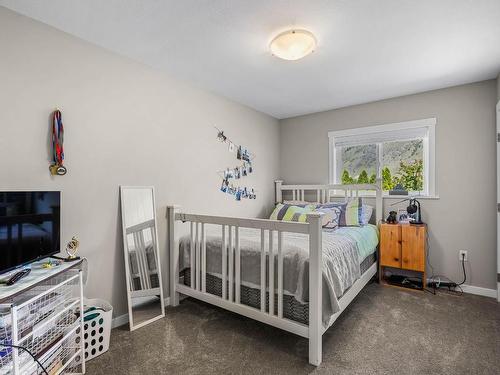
127 265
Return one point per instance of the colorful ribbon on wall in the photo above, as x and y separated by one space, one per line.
57 167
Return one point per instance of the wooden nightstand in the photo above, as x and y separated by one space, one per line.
403 246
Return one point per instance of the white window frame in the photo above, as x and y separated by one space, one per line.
429 149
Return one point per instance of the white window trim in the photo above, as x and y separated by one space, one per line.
429 147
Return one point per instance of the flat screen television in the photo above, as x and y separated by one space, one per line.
30 226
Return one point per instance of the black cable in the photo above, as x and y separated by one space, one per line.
451 283
435 285
463 267
27 351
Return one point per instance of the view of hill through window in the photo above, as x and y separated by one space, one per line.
402 163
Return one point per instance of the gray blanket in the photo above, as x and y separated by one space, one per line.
341 262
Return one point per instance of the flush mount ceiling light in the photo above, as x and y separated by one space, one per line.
293 44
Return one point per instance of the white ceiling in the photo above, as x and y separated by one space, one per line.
367 50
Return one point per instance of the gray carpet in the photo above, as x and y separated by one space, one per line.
384 331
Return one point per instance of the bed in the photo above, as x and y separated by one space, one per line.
293 276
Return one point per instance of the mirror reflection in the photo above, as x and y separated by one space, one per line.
145 296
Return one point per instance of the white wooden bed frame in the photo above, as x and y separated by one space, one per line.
230 299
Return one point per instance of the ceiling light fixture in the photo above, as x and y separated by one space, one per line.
293 44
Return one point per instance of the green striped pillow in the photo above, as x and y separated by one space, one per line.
286 212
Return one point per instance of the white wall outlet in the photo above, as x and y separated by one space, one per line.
461 255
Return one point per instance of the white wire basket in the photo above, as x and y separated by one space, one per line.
45 321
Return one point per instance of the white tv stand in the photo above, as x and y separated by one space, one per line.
41 313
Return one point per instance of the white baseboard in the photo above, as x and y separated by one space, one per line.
492 293
123 319
119 321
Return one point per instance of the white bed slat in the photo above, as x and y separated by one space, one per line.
203 259
193 252
315 289
237 266
198 252
173 241
231 263
271 274
224 261
262 271
280 275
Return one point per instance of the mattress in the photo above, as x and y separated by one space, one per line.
292 309
344 250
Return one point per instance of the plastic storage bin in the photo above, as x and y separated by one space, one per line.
97 327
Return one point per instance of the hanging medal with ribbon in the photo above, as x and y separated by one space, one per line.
57 167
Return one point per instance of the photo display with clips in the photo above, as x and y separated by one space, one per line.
242 169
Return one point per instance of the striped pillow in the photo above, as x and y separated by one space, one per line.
286 212
351 212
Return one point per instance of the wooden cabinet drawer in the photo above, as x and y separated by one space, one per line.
413 247
390 245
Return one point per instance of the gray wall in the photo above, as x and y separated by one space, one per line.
463 218
125 124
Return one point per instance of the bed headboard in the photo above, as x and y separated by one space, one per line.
325 193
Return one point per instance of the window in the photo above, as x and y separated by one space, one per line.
399 154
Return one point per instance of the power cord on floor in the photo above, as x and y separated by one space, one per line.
27 351
447 284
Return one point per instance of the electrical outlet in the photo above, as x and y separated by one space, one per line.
462 255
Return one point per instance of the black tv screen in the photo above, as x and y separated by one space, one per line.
29 226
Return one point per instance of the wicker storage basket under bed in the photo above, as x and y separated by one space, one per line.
292 309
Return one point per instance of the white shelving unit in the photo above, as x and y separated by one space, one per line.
42 314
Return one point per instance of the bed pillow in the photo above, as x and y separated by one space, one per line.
330 218
351 211
366 214
286 212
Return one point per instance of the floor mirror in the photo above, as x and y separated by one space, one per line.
142 258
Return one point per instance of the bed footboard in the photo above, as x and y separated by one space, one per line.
231 263
231 269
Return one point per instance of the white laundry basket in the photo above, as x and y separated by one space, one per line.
97 326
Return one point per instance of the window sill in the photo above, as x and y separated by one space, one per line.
401 197
395 197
